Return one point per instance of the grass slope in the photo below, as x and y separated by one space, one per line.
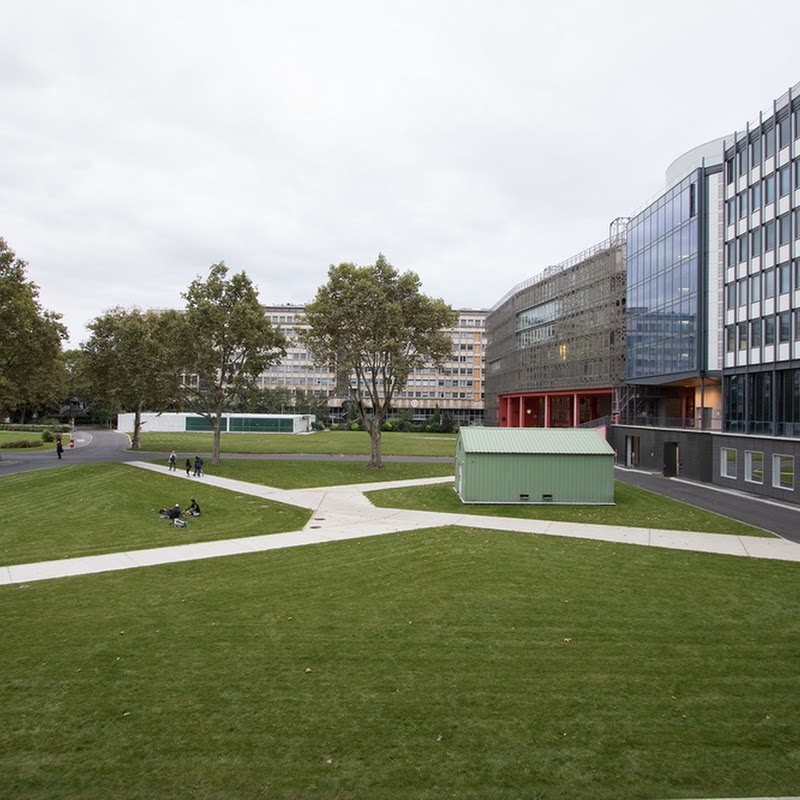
446 663
344 442
286 474
634 507
81 510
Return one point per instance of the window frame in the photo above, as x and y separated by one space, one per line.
784 229
768 190
777 472
755 333
769 331
754 474
784 278
728 457
784 327
755 288
784 129
784 180
768 142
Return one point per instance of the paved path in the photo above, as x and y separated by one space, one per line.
343 512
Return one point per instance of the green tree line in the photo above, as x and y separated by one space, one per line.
371 324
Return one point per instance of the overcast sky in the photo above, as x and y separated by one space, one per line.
475 143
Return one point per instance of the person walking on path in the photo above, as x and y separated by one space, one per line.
198 467
188 468
59 448
173 459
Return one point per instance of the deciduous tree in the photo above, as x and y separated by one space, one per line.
227 342
375 326
31 369
130 364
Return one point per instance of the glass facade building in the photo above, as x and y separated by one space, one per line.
709 364
673 308
663 280
761 377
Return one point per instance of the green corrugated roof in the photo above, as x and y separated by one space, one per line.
572 441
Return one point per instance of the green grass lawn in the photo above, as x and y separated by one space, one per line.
18 436
286 474
344 442
430 664
634 508
80 510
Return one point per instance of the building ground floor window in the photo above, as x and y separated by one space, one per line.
762 466
765 402
553 409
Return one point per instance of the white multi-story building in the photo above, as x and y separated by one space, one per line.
456 390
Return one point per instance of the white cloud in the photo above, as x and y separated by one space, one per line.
475 143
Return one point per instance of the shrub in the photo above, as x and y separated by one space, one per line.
48 435
34 428
21 444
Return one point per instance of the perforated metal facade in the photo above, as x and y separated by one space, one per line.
561 331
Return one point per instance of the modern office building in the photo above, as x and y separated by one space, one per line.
747 437
555 350
710 388
761 371
673 358
456 390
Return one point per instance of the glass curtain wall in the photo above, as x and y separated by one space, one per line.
662 290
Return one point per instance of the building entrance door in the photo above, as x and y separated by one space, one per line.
631 451
671 459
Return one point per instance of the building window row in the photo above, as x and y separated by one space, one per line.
765 331
763 285
763 402
761 144
763 193
782 467
762 239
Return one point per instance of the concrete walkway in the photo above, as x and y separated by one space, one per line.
343 512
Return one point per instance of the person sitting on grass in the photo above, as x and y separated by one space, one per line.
193 510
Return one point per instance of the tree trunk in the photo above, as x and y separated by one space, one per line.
215 447
374 427
137 424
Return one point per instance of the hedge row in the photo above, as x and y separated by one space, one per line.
36 428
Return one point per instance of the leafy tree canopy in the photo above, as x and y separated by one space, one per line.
375 326
31 370
226 342
129 362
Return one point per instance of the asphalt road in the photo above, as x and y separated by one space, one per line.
100 445
782 519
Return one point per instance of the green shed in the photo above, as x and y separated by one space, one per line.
534 465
